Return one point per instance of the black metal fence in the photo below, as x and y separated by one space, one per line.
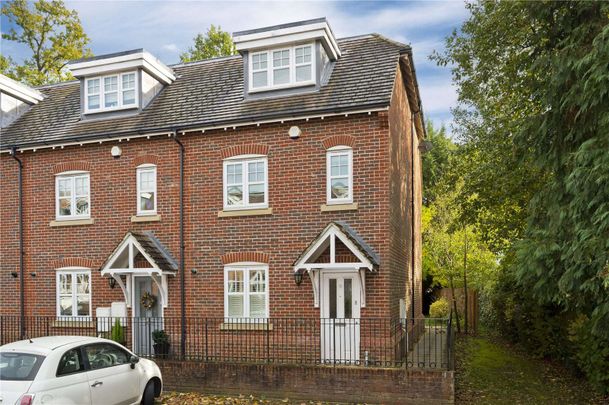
372 342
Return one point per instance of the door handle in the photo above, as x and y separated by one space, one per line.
96 383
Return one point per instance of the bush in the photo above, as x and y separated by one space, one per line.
160 337
439 309
591 353
118 332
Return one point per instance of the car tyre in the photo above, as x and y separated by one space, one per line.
148 397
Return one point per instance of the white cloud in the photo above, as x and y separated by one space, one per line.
171 47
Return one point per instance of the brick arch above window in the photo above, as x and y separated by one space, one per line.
338 140
250 149
73 262
236 257
146 159
70 166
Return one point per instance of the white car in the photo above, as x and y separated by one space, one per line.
75 370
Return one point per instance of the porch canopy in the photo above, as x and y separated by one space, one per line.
338 247
140 253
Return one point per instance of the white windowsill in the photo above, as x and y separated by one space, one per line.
245 212
245 325
72 222
339 207
145 218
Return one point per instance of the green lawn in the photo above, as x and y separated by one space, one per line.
490 371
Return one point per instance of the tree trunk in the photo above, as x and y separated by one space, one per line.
465 284
452 291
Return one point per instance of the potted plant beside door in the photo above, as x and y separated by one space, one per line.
161 343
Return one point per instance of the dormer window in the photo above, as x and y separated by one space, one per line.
288 67
112 92
120 81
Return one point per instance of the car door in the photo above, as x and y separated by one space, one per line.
111 379
70 385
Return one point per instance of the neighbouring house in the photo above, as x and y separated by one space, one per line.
278 190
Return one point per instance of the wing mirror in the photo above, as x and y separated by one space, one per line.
133 360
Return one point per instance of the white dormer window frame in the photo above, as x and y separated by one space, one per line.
123 87
273 60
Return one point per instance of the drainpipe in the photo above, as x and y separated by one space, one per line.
181 270
412 219
21 253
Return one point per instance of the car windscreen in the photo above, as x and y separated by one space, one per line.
19 366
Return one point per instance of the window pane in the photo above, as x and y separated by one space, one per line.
256 192
105 355
234 173
332 292
82 185
111 99
82 284
147 180
129 97
82 206
110 84
303 73
340 188
255 171
93 86
281 58
257 306
70 363
257 281
281 76
303 54
65 284
235 281
147 201
129 81
65 187
259 79
93 102
65 206
235 195
235 305
83 305
259 61
65 306
348 297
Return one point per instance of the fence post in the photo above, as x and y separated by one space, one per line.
266 328
206 340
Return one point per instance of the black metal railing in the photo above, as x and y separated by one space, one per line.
372 342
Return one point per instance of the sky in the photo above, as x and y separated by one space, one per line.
166 28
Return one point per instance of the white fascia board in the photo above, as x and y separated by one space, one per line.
143 60
19 91
270 39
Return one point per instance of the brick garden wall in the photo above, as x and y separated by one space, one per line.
339 384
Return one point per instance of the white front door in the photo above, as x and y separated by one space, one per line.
145 320
340 312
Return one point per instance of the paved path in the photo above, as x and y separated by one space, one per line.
430 350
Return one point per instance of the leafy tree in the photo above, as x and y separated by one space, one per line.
534 117
437 162
53 34
214 43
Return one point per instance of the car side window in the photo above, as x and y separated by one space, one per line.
71 362
105 355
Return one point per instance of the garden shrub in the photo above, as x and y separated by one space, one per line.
591 353
439 309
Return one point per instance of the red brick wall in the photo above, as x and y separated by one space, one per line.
295 195
336 384
401 212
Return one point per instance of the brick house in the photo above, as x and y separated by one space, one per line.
280 183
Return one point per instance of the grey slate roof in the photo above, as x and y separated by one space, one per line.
210 93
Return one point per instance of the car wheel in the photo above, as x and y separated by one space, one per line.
148 397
